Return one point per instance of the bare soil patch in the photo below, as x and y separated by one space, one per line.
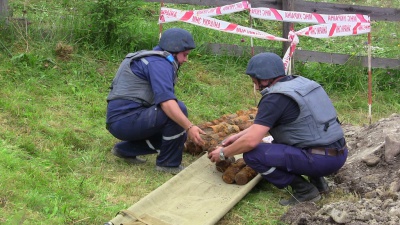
371 173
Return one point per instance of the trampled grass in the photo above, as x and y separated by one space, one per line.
55 161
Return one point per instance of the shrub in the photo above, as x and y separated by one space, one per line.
122 25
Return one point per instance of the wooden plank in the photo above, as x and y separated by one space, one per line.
335 58
254 3
267 3
237 50
376 13
3 8
287 5
305 56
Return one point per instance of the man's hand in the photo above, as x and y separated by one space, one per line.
229 140
214 155
194 135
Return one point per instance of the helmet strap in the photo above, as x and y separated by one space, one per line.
276 80
270 83
262 87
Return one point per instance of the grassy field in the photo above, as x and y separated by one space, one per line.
55 70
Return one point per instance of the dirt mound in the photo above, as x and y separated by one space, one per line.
371 172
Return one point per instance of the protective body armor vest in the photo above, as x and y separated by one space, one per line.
317 124
126 85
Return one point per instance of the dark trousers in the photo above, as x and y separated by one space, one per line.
279 163
151 131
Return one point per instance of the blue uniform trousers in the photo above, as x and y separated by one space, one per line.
151 131
279 163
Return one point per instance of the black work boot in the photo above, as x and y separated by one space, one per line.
131 160
320 183
303 191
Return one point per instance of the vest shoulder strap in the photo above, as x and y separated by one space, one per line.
144 53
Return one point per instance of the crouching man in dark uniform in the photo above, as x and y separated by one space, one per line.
308 138
143 111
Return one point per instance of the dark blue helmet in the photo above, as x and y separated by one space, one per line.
176 40
265 66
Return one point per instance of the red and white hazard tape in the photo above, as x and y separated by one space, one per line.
303 17
222 10
201 18
212 23
329 25
170 15
335 30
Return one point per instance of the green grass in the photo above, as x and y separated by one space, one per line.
55 163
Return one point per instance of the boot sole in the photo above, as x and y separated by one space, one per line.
291 203
316 199
130 160
172 170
